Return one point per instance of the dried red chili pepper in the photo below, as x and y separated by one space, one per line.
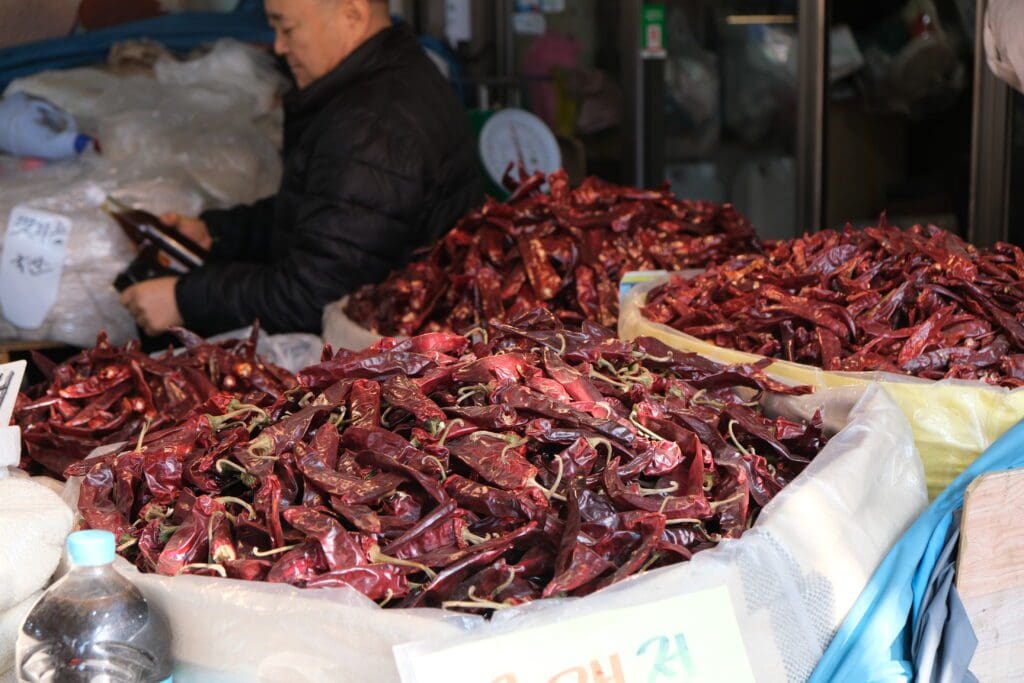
558 469
908 301
565 250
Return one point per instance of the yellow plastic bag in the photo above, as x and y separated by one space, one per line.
953 420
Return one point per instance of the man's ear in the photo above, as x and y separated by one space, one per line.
356 12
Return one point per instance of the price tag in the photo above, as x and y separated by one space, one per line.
692 638
33 259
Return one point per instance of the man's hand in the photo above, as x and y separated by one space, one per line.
192 228
153 305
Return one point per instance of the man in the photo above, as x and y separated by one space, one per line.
378 160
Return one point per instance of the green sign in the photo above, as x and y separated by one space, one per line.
652 31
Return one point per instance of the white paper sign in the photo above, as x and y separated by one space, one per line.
10 385
10 437
33 259
529 23
692 638
457 21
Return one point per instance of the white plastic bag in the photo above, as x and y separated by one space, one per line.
181 145
791 578
293 352
34 522
239 66
341 332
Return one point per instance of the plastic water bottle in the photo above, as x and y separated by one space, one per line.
93 625
32 127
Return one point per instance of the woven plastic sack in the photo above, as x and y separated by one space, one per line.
34 522
953 420
792 579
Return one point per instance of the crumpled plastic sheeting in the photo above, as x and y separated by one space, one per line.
873 642
97 250
791 578
189 143
293 352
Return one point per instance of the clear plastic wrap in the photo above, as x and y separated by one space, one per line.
953 420
792 579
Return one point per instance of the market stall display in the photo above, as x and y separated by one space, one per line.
108 394
880 305
546 461
787 592
564 249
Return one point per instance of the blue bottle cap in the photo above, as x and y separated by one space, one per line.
81 142
91 548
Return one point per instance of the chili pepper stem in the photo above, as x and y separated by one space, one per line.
467 391
735 441
507 582
256 552
480 330
645 430
238 501
377 557
651 560
448 428
127 544
204 565
472 539
604 378
225 463
656 492
474 602
715 504
558 479
440 466
387 598
336 420
682 520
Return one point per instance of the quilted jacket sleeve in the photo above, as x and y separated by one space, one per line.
363 190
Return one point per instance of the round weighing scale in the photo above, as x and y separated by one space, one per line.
515 136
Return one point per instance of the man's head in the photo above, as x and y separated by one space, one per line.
316 35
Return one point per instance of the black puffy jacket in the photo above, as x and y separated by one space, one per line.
378 161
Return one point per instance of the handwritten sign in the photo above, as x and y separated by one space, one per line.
33 259
690 638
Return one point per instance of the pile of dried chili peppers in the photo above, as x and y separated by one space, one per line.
921 302
430 471
565 250
108 394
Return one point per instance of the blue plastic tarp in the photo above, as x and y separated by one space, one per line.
182 32
874 642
